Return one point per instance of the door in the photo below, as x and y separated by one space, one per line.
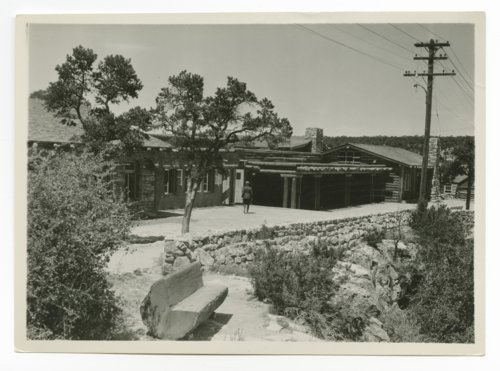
238 185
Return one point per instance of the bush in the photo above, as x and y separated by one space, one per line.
401 325
443 301
301 287
75 221
374 237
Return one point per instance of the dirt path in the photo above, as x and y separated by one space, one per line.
240 318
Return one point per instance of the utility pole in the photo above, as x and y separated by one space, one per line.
432 47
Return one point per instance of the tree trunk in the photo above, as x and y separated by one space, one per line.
469 192
192 189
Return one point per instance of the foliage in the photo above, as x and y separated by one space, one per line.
301 287
292 281
201 127
444 298
84 94
75 221
264 233
437 226
464 164
402 326
375 236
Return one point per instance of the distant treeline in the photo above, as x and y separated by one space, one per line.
412 143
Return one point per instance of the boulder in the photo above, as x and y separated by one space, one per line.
172 249
374 333
180 262
204 258
178 303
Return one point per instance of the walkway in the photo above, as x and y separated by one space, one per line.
223 218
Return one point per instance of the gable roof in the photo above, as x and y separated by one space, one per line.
395 154
459 179
293 144
44 126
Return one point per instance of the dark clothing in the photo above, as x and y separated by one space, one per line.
247 194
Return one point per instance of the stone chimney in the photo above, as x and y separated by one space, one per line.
434 162
315 135
433 151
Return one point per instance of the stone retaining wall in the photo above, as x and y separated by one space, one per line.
237 248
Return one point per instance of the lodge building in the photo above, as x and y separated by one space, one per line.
300 173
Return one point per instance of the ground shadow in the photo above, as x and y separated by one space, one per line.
208 329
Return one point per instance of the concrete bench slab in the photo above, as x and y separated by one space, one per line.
178 303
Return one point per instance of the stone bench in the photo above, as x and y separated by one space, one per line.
179 302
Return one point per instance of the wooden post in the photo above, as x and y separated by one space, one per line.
372 188
293 198
285 191
347 193
401 185
317 190
299 191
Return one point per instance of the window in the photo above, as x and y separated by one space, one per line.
131 181
406 181
169 179
180 178
208 182
348 157
204 184
447 188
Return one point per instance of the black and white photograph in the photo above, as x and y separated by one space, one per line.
302 184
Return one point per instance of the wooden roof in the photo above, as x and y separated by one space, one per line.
395 154
44 126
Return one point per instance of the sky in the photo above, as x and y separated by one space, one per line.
345 78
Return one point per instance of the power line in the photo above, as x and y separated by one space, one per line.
387 39
368 42
404 32
349 47
460 74
454 54
471 97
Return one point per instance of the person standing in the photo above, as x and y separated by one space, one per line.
247 196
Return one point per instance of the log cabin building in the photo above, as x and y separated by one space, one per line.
299 173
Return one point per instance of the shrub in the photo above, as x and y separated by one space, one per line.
75 221
264 233
300 287
438 225
291 280
374 237
401 326
443 301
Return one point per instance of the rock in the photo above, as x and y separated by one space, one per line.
181 245
204 258
250 257
236 251
172 249
166 269
169 259
210 247
178 303
138 272
180 262
374 333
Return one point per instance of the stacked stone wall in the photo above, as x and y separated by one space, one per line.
237 248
